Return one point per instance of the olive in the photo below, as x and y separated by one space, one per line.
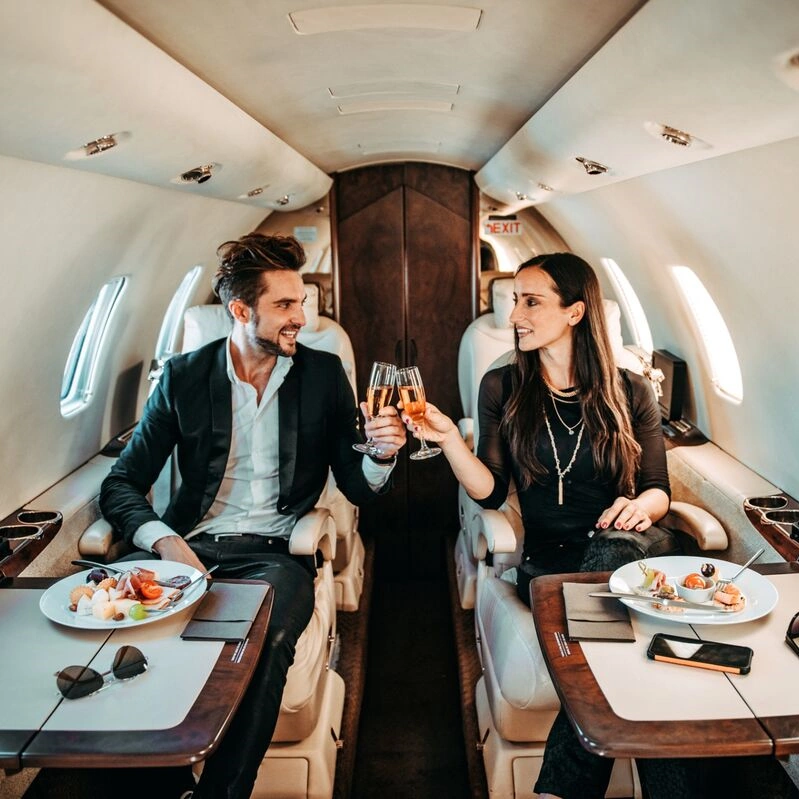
96 576
707 569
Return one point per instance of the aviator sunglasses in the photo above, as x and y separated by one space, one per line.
792 634
75 682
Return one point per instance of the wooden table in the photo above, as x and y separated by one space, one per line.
193 739
598 727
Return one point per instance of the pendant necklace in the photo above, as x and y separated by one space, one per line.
570 428
564 472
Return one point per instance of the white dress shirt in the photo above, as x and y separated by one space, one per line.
248 494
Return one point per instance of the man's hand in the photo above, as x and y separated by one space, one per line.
386 431
173 547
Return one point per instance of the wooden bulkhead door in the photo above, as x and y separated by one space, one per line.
404 243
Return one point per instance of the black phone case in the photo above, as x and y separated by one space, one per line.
730 668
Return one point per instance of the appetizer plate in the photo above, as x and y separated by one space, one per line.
761 595
55 600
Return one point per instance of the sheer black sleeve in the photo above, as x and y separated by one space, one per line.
492 448
648 433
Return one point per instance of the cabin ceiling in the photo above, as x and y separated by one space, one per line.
513 89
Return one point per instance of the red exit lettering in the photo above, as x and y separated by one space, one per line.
503 228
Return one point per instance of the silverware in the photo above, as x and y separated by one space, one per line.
116 570
180 594
722 581
666 603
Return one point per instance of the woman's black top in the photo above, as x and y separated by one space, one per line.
585 493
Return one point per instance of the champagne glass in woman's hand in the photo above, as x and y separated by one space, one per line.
411 390
378 395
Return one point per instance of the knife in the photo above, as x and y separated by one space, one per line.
181 593
666 603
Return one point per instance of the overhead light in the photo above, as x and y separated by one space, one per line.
99 145
256 192
198 174
786 66
521 196
544 187
674 136
592 167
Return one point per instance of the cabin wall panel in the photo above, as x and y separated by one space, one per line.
733 220
64 234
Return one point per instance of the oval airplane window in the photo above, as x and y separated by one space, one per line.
630 306
173 318
80 370
725 370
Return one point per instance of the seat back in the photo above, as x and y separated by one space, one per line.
484 340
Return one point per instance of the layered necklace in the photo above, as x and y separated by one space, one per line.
568 397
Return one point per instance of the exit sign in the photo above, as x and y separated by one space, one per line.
502 227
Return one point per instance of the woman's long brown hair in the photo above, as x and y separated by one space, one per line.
605 407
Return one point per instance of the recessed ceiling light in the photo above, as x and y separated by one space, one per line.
674 136
197 174
99 145
592 167
786 66
544 187
256 192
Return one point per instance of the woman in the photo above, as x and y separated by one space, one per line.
582 442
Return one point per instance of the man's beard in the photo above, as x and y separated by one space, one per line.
266 345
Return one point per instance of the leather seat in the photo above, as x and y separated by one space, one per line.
516 701
486 339
300 761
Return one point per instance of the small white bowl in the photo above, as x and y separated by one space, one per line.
696 594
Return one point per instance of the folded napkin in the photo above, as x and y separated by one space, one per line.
226 612
592 618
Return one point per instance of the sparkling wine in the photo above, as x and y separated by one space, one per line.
413 402
377 397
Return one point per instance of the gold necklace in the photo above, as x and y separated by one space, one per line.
570 428
562 474
558 392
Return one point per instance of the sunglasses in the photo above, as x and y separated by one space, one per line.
75 682
792 634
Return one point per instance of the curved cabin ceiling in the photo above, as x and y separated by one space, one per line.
352 84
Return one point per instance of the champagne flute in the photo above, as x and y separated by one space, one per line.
378 394
411 390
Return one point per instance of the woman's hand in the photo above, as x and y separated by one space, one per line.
437 425
385 431
625 514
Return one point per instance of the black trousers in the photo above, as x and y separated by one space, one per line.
572 772
230 772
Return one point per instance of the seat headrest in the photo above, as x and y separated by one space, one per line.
311 307
203 324
502 300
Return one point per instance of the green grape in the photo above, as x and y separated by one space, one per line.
649 574
137 612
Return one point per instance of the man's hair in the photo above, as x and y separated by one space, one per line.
243 262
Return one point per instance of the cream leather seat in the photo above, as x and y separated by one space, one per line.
320 333
486 339
515 699
300 761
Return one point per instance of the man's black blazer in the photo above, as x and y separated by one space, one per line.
191 409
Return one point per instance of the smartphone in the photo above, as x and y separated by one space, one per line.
702 654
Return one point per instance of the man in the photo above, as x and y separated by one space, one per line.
257 420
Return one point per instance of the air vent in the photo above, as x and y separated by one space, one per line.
198 174
252 193
592 167
544 187
100 145
674 136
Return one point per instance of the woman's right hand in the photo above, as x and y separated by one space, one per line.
437 425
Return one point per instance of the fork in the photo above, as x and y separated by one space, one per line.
722 582
181 593
117 570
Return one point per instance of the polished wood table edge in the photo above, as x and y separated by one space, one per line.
181 745
12 743
598 728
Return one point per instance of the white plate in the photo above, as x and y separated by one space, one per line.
761 595
55 600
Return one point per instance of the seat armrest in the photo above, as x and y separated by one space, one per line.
702 526
494 534
314 531
96 539
466 429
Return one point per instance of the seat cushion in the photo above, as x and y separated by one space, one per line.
520 692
